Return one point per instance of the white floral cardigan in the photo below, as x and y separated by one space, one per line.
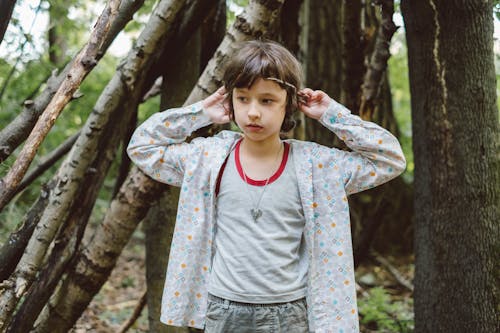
325 175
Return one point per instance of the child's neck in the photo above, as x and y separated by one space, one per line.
261 149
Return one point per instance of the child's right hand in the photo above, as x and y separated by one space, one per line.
216 107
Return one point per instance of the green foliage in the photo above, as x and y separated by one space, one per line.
141 17
379 313
400 89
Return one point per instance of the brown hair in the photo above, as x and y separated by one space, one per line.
265 59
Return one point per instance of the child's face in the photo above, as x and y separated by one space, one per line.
260 110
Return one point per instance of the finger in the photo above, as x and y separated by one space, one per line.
307 91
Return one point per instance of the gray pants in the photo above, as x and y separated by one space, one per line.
224 316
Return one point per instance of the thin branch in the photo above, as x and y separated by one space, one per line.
18 130
12 250
26 40
137 312
393 270
378 61
47 162
84 63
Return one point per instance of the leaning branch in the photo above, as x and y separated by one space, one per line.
84 63
47 162
12 135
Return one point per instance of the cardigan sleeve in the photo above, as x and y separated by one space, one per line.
157 146
376 155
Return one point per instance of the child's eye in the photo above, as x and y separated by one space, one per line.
267 101
242 99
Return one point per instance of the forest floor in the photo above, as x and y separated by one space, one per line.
384 304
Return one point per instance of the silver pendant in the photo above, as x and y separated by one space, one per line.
256 213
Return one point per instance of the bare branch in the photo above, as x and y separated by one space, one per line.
137 312
47 162
393 270
378 61
84 63
18 130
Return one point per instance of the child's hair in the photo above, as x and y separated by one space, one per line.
268 60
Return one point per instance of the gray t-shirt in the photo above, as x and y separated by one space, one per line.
263 261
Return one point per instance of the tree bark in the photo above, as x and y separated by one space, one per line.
12 250
6 9
47 161
18 130
353 57
97 259
322 64
455 142
84 63
378 61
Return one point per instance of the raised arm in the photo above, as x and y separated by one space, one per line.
376 155
157 146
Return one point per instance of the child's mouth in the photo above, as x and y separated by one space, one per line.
254 127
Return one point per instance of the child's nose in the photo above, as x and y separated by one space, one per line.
253 111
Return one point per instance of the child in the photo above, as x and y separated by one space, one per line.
262 241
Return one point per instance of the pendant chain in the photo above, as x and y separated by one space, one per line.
256 211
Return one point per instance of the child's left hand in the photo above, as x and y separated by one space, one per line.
314 102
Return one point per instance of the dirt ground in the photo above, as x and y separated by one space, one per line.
118 298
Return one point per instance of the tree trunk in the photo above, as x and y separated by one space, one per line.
160 222
455 142
97 259
6 9
322 64
353 56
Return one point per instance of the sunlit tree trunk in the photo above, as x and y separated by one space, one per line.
455 142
